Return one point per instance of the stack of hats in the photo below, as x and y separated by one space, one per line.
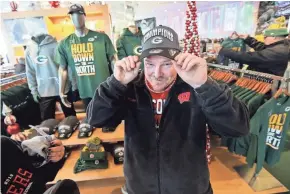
48 127
85 129
93 156
67 126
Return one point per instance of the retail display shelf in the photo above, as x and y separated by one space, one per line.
66 172
112 137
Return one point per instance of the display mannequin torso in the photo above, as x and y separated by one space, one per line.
79 51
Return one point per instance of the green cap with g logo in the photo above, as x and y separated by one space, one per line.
162 41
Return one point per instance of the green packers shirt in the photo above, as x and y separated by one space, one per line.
268 128
89 57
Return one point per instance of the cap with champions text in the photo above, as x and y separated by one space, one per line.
76 8
160 40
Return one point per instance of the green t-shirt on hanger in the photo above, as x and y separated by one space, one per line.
89 57
245 95
268 128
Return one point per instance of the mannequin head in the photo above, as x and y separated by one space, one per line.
79 20
78 17
132 27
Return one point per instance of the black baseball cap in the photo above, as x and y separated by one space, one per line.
162 41
76 8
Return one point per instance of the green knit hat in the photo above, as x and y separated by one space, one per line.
276 32
93 156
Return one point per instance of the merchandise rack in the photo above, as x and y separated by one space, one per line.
265 75
109 137
263 181
13 78
93 180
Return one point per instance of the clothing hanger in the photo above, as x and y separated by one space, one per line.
282 90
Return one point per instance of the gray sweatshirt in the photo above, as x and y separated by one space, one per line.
41 69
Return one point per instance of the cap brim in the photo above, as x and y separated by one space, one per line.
76 11
165 52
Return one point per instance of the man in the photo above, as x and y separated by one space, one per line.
21 172
166 109
130 41
269 57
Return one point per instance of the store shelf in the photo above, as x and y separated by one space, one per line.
114 171
112 137
108 186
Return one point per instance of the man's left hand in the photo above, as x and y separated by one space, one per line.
56 153
192 69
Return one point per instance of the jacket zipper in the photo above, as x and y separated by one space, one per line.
158 135
157 142
158 162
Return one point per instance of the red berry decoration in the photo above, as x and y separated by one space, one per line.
191 38
54 4
14 6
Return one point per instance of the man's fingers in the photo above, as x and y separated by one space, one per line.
186 62
55 158
56 142
55 154
127 62
22 136
136 58
56 149
192 64
132 62
181 58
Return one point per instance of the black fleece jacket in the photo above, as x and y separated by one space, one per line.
172 159
271 59
19 175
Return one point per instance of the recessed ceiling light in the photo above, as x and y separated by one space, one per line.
178 9
165 10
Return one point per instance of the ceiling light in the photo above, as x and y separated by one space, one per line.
165 10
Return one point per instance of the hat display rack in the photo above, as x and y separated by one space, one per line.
191 38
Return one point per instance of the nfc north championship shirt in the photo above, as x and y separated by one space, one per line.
88 57
268 128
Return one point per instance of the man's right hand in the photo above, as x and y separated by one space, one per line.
127 69
18 137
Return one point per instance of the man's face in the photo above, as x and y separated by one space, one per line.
159 72
269 40
78 20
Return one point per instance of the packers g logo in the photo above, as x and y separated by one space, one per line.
157 40
41 59
138 50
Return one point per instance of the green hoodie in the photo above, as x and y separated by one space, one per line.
129 44
268 130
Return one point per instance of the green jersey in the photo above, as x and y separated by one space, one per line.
89 57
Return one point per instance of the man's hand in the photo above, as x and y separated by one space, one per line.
64 100
18 137
56 153
126 70
243 36
192 69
